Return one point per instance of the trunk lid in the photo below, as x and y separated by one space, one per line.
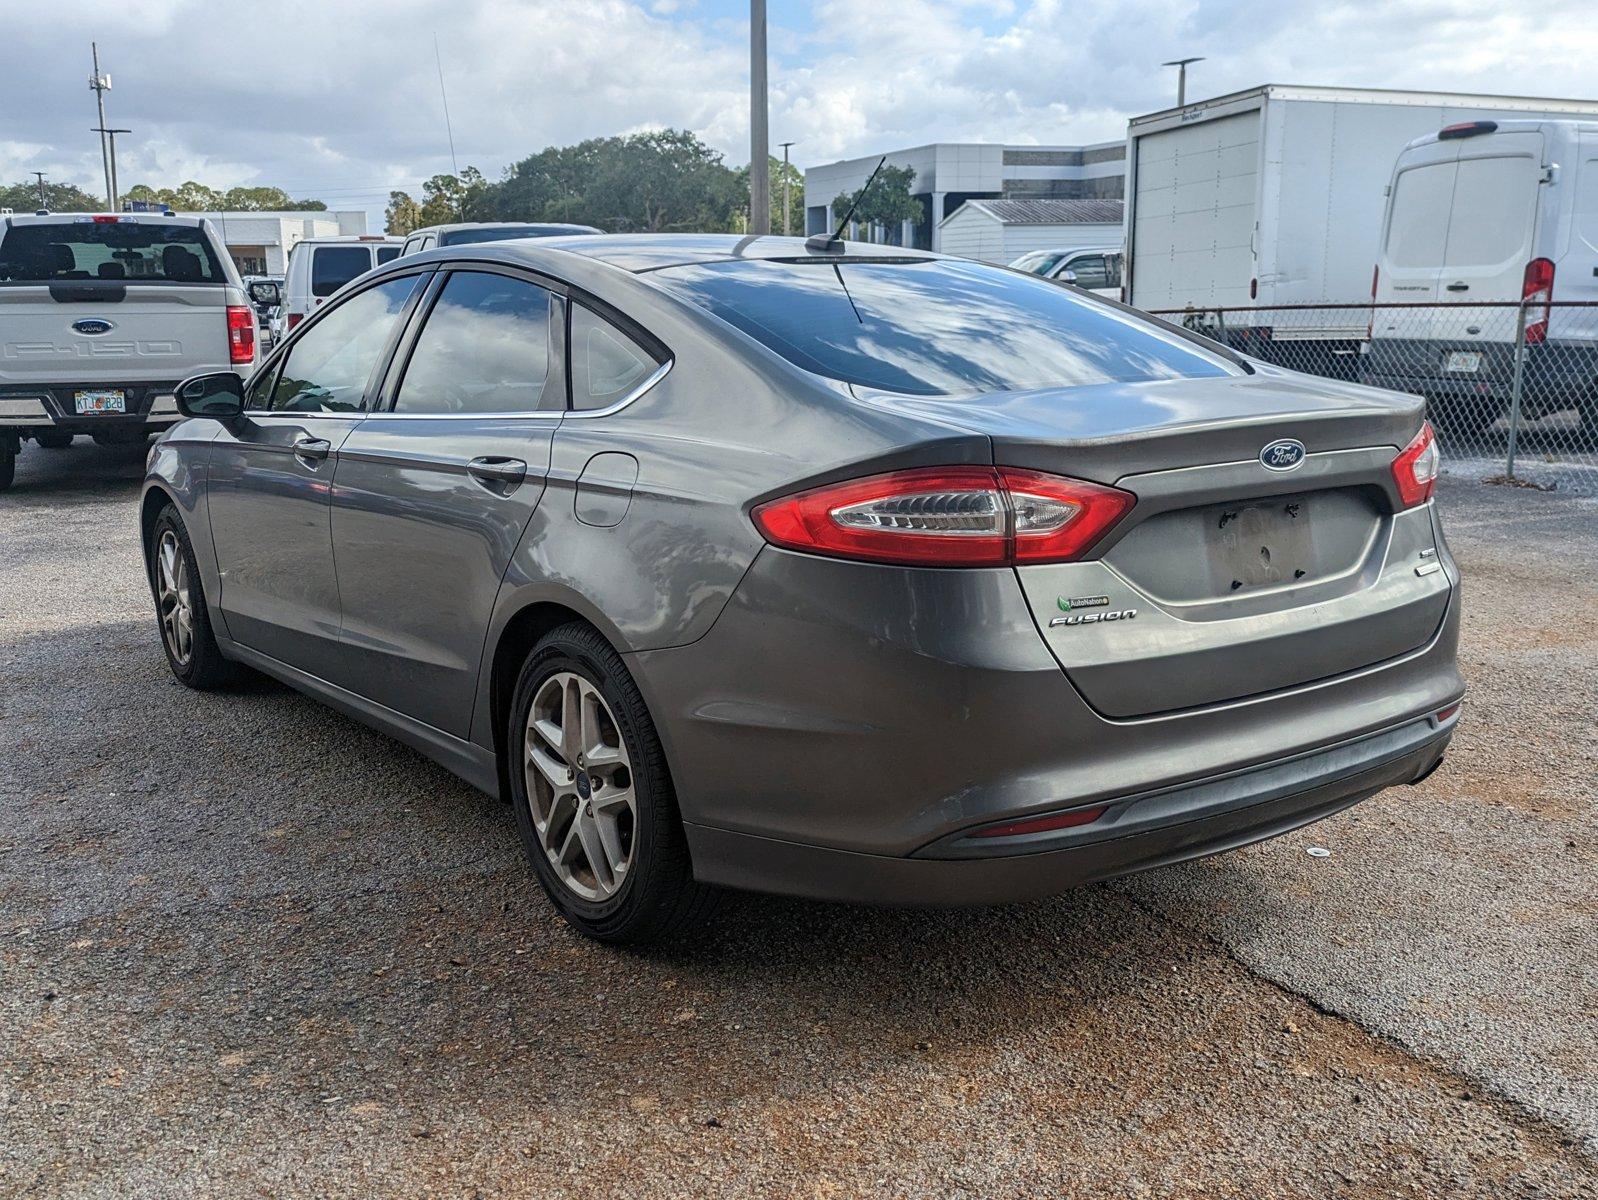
83 332
1227 579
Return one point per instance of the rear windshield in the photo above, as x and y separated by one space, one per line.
122 250
334 266
465 237
936 327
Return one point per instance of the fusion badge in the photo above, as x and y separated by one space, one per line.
1093 618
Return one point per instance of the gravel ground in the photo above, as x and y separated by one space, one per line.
251 948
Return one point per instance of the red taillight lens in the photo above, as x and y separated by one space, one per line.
1415 468
1065 820
240 334
292 320
1537 294
946 517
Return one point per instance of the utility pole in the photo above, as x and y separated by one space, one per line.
787 207
40 177
1181 77
759 143
100 85
110 135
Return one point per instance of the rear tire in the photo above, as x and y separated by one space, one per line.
611 856
54 439
180 610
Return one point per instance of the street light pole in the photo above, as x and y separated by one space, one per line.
100 85
40 176
110 135
759 139
1181 77
787 206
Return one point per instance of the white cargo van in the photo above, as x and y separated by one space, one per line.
1489 212
318 267
101 315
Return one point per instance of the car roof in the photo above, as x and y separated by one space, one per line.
65 218
351 239
451 228
638 252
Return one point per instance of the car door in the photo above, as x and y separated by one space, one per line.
434 490
272 470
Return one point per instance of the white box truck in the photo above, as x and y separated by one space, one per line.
1274 196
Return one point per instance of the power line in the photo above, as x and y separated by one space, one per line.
455 167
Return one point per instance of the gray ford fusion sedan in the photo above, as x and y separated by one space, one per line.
852 572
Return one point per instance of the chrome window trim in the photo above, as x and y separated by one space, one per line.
659 373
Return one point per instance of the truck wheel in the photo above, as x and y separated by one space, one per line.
53 439
593 798
184 620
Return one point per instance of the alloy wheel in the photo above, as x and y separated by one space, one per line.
580 786
175 599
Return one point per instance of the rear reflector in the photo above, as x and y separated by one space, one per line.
293 320
1415 468
1444 715
1065 820
946 517
240 334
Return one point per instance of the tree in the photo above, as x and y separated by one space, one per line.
403 215
197 197
662 180
58 197
888 202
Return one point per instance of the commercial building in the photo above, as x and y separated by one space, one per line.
1001 231
259 242
947 174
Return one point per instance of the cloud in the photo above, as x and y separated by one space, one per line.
342 101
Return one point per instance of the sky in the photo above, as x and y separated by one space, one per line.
339 99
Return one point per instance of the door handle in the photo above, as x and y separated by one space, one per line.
502 475
1459 287
312 449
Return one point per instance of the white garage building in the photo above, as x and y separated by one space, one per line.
259 242
1000 231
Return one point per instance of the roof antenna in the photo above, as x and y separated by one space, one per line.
833 243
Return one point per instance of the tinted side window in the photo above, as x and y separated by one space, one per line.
606 363
1090 271
485 349
328 368
334 266
388 254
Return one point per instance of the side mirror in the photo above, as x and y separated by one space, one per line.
219 395
264 291
1068 276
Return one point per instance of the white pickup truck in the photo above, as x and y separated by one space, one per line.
101 315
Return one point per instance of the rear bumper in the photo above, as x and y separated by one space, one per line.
151 406
1198 819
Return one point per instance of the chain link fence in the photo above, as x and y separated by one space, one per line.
1511 388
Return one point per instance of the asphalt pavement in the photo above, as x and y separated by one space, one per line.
249 947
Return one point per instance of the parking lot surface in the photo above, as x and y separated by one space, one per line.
251 948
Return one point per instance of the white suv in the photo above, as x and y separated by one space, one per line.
101 315
318 267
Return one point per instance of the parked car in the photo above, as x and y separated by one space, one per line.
264 312
871 575
468 233
1484 212
1096 269
318 267
101 315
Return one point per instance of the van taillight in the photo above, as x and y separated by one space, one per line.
240 334
293 320
1536 295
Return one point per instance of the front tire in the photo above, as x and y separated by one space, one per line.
593 797
184 620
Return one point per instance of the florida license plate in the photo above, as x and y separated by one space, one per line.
113 400
1464 362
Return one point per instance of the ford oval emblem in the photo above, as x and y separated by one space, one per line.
92 325
1282 455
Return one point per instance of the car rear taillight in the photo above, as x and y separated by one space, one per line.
947 517
1536 295
240 334
1415 468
